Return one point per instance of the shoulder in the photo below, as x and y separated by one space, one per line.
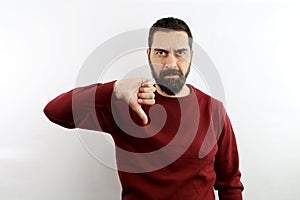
203 97
208 104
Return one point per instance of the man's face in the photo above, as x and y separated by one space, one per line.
170 60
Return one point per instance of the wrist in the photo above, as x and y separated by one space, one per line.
115 90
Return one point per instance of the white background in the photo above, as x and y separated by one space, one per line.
255 47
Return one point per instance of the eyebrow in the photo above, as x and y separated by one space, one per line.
166 51
180 50
163 50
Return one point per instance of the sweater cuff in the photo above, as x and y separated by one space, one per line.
235 194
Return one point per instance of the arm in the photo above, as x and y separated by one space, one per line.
90 107
228 181
83 107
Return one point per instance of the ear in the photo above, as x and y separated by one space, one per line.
148 51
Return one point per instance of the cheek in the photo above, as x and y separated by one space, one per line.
184 67
156 61
157 64
156 67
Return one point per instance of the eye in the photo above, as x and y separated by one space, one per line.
160 53
181 53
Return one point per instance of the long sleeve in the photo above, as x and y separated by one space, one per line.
228 181
83 107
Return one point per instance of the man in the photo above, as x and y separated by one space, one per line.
174 142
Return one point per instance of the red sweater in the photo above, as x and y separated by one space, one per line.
187 149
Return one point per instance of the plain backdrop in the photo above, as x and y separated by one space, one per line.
43 44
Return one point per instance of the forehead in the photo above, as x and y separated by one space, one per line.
171 39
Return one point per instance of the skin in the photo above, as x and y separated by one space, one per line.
168 50
136 92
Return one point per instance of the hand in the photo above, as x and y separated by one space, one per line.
136 92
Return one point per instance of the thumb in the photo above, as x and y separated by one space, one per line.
141 113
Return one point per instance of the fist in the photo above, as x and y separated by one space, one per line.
136 92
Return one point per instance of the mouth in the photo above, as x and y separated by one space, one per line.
171 76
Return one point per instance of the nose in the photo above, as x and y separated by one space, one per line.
171 61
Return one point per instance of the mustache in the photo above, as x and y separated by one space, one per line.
171 72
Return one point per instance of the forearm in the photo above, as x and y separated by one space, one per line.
72 108
228 174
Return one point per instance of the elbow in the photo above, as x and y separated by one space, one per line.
47 111
53 114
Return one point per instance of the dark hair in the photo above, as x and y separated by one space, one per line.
169 24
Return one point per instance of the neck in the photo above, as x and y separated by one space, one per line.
185 91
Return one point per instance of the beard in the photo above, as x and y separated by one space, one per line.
170 86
